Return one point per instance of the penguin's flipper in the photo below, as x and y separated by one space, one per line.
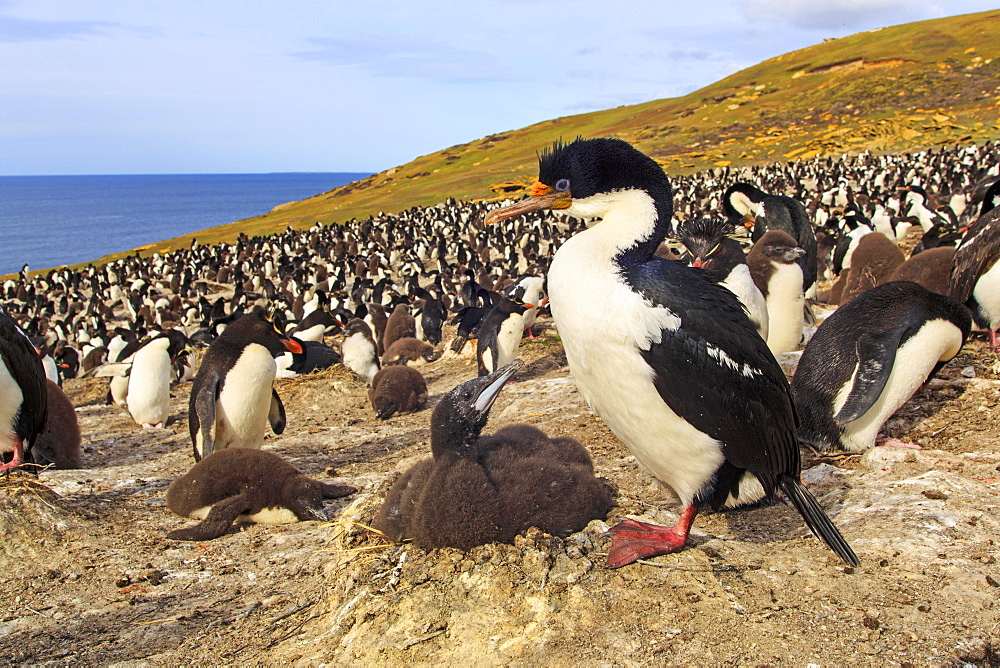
219 519
204 413
331 491
276 415
113 369
876 355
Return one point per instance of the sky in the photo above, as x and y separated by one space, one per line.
252 86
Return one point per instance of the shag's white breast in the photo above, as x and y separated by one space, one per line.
604 325
10 403
987 293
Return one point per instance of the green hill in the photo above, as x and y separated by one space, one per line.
900 88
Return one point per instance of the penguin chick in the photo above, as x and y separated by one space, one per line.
409 351
359 350
480 489
869 357
773 263
397 388
232 397
248 485
931 269
60 441
400 325
874 260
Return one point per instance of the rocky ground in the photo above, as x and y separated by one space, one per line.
89 576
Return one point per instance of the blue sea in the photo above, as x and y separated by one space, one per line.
48 221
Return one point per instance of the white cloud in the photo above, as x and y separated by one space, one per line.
834 14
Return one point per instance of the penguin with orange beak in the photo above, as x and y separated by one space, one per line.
232 397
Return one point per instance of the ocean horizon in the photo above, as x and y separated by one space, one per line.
50 221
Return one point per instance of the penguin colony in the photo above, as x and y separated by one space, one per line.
751 234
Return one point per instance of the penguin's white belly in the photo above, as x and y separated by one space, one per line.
508 340
11 398
785 308
274 515
51 370
937 340
242 407
603 325
119 389
314 333
358 355
987 294
148 396
741 284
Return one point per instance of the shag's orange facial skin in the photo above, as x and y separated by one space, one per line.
541 197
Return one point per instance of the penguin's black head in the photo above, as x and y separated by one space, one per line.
462 413
576 174
255 328
740 200
705 238
308 493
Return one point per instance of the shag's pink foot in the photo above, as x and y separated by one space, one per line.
882 439
150 425
528 334
18 458
632 540
993 339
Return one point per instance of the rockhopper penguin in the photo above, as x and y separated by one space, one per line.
232 397
869 357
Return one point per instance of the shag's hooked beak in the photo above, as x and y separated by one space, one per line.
542 197
749 220
494 383
292 345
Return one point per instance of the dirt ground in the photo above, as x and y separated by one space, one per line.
90 578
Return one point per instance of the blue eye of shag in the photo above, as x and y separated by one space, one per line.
562 185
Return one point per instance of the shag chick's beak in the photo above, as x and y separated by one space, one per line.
495 382
542 197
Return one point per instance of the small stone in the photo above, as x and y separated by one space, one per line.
973 649
886 456
968 372
935 494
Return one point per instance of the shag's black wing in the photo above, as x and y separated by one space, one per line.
716 372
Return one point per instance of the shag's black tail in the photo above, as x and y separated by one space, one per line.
816 518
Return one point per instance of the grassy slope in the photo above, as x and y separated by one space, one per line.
900 88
